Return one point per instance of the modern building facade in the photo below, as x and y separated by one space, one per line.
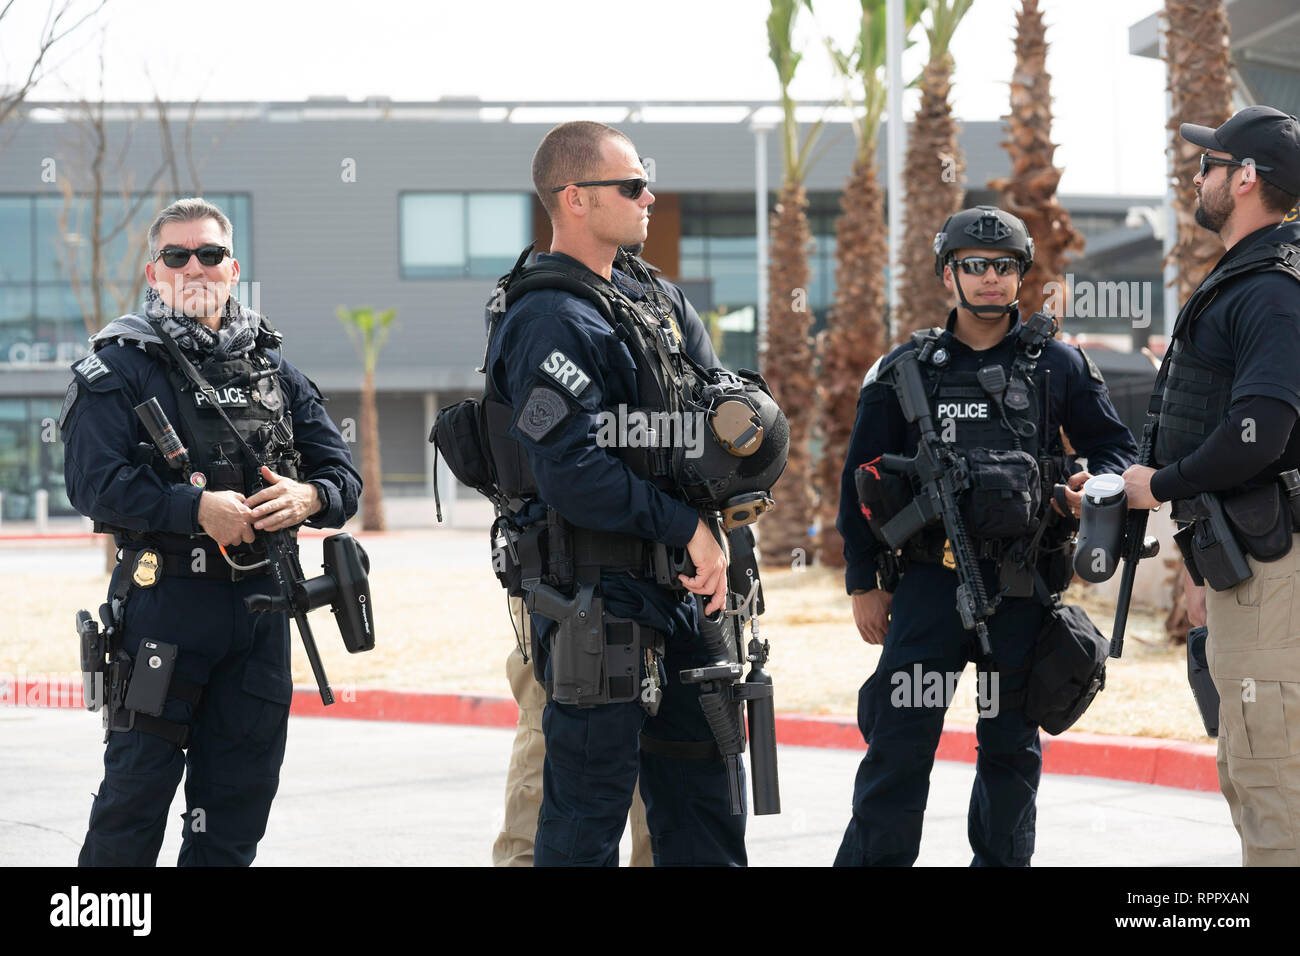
412 206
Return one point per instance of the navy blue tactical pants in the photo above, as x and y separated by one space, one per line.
902 728
232 765
593 760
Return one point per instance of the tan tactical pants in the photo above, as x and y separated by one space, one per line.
1254 657
514 845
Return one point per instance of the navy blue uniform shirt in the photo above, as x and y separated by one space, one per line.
1079 403
559 364
101 431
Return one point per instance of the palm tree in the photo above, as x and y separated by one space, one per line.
786 356
1030 190
1200 83
936 167
855 332
369 331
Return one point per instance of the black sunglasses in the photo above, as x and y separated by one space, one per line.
978 265
631 188
1208 162
174 257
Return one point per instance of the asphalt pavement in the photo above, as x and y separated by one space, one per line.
397 794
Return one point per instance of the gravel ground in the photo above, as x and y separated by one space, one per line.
442 625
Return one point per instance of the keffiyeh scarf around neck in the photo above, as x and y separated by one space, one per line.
236 337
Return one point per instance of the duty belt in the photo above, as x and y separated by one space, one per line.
172 564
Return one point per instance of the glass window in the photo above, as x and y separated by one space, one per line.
433 234
499 228
16 246
458 234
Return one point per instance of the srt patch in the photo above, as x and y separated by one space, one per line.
69 399
1094 373
541 413
565 373
91 368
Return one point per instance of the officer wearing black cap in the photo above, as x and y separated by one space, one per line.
1225 408
1001 390
218 708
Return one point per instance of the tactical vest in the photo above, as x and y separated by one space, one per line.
258 410
256 404
1195 394
1014 457
665 376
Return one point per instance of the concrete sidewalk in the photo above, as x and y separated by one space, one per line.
392 794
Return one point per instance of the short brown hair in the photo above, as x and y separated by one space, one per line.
1274 198
569 153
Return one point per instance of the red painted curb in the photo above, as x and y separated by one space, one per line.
1165 763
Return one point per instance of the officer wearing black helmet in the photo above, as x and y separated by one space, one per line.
1226 405
1042 386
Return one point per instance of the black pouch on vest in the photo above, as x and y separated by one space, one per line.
458 435
1219 558
881 495
1068 669
1004 495
1261 524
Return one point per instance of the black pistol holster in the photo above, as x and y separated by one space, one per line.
131 692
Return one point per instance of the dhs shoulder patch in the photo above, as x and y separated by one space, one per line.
1094 373
565 373
69 400
541 413
92 368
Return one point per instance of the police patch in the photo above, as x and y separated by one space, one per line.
541 413
69 400
1094 373
91 368
565 373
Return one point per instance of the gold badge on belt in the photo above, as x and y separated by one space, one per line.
148 568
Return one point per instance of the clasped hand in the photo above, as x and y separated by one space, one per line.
230 519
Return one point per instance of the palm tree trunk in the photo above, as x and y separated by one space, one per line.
1196 45
372 495
1200 82
936 172
788 368
1030 190
853 339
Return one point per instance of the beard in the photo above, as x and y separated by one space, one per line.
1215 209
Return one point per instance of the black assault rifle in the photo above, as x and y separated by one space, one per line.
724 696
940 474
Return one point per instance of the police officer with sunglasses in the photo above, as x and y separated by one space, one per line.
1001 397
209 689
1226 405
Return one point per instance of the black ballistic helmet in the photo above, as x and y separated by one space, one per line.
743 450
984 226
992 229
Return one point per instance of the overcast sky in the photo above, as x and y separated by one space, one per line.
1109 105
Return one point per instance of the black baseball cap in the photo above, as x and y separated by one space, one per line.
1269 137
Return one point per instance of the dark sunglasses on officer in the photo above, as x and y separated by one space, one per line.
175 257
978 265
631 188
1208 162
